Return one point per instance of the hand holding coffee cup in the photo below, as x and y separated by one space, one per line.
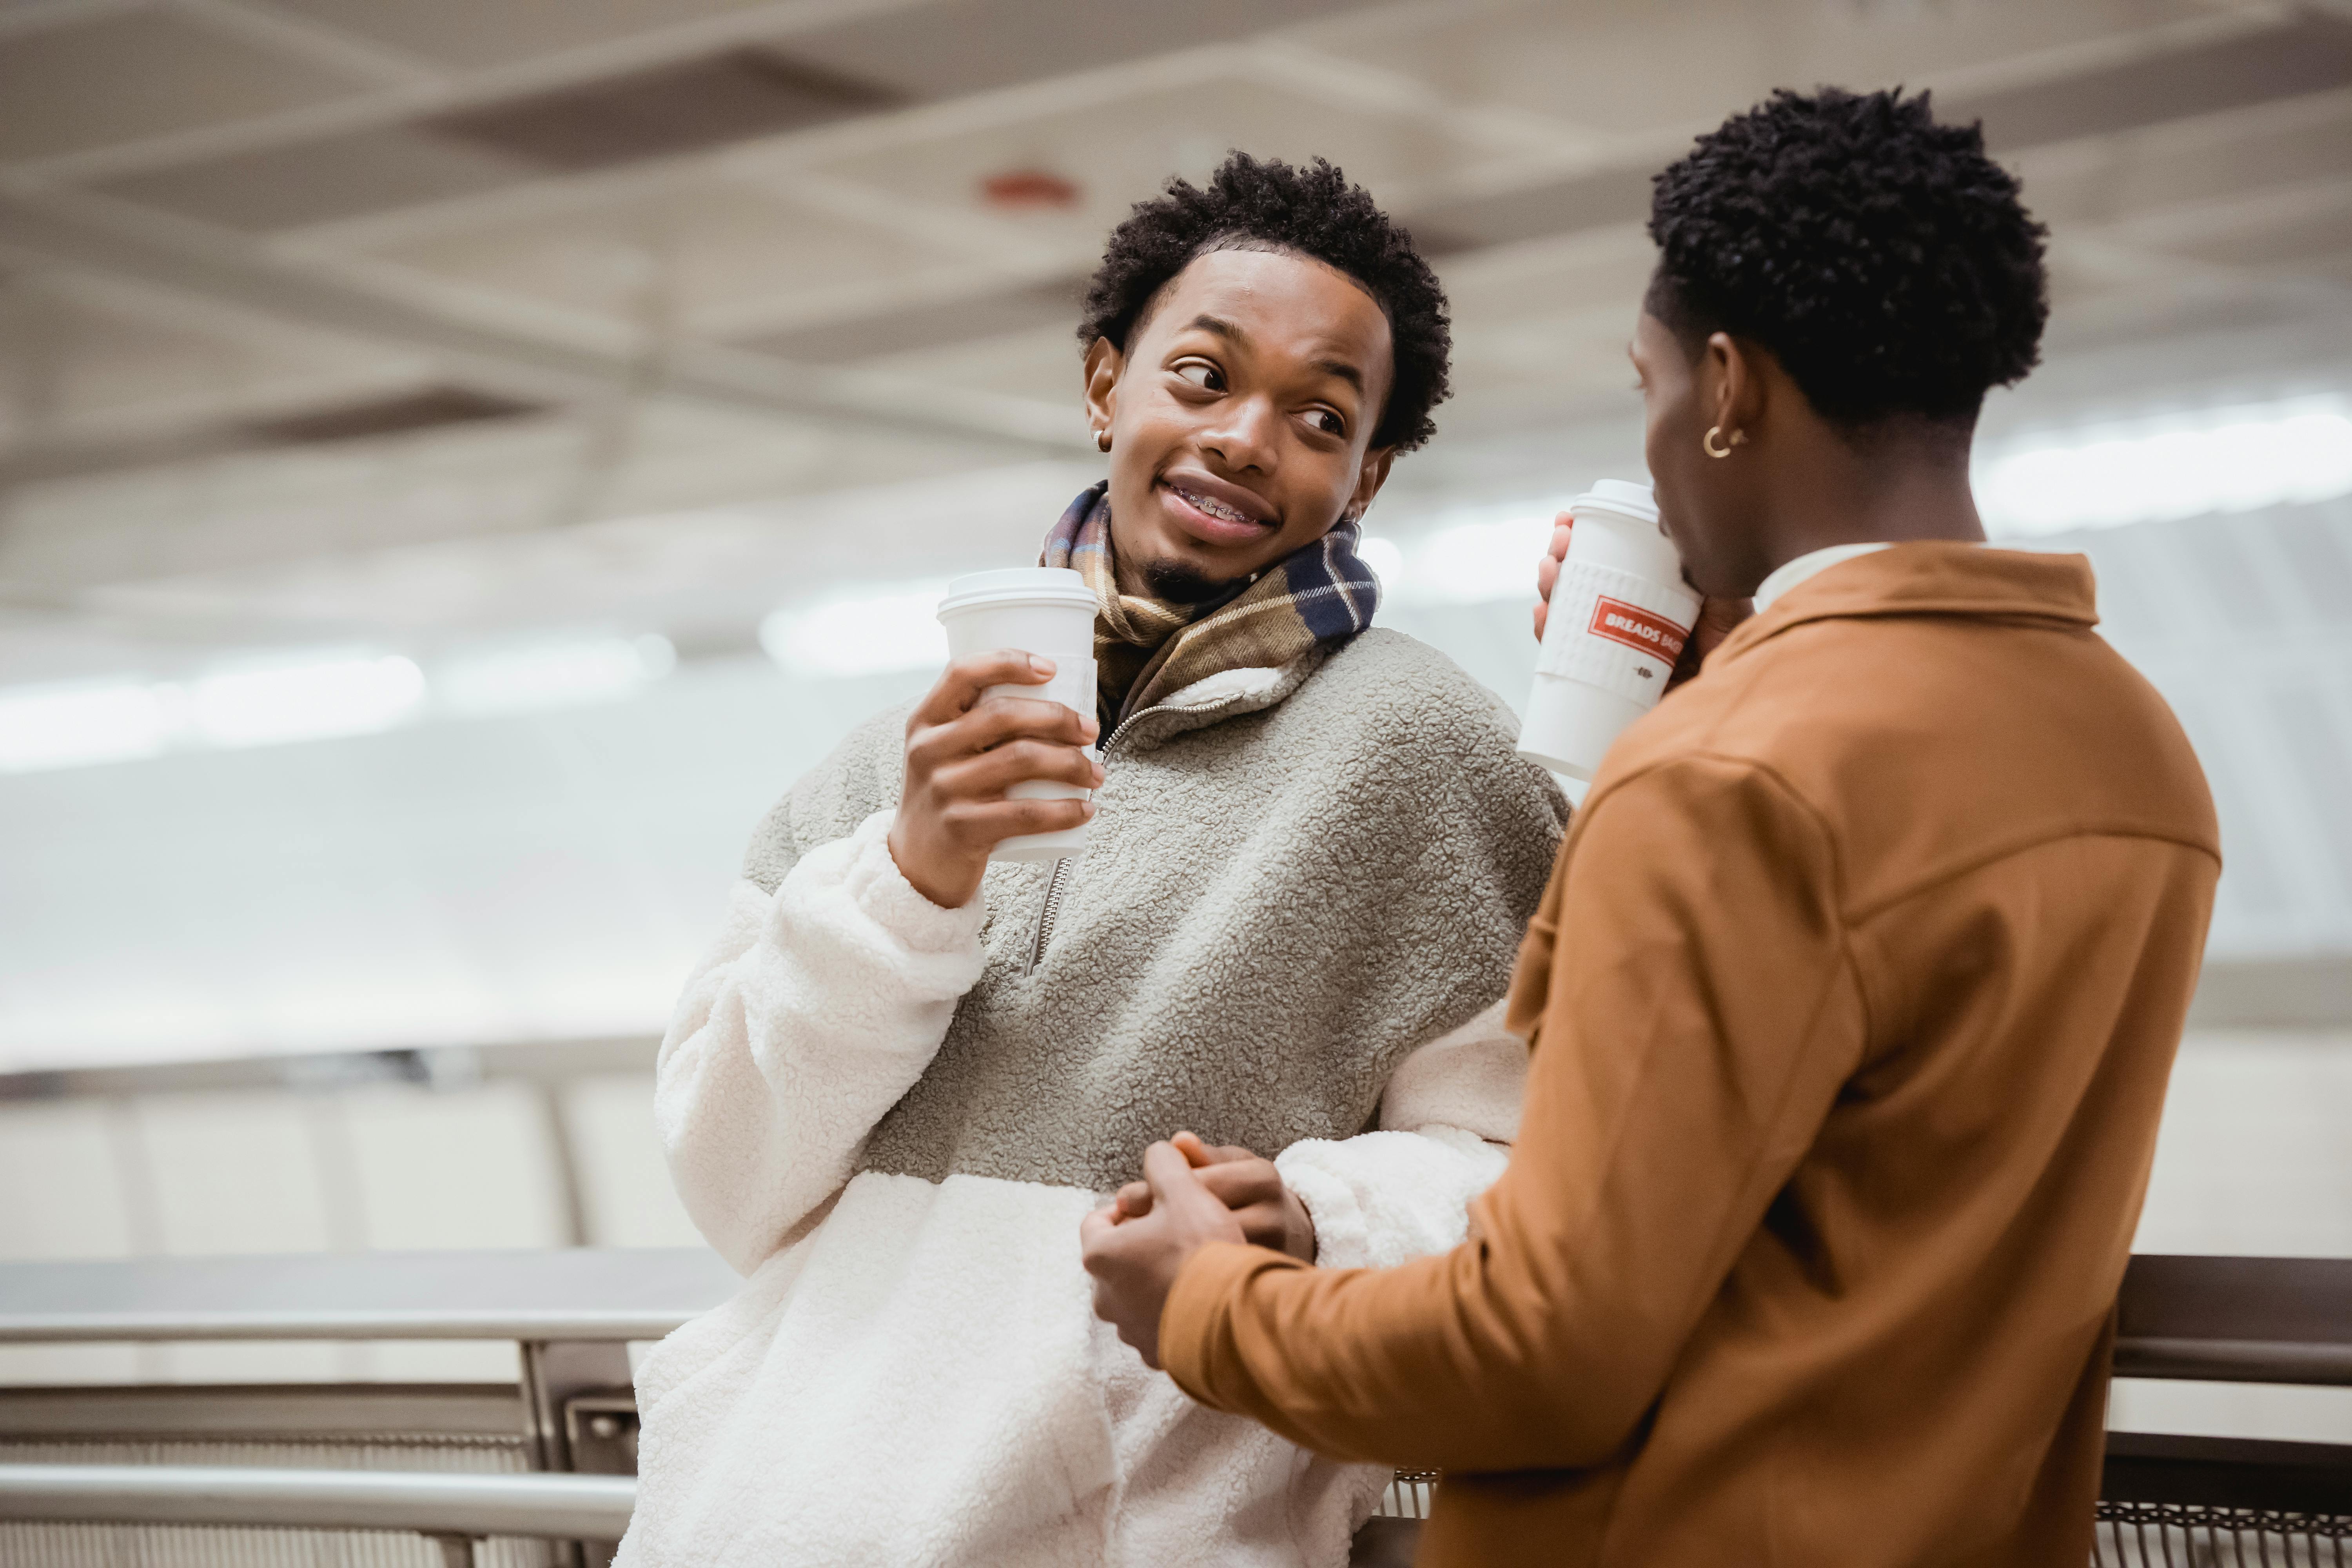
1617 623
1717 619
967 744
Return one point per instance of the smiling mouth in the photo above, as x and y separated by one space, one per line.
1216 508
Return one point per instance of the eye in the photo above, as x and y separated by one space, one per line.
1203 374
1330 423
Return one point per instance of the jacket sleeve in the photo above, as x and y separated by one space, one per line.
819 1006
1702 1014
1447 1117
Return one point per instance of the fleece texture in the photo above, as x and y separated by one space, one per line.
911 1374
1289 886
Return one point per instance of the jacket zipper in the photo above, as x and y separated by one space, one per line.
1051 905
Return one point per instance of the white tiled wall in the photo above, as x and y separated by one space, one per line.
393 1166
625 1189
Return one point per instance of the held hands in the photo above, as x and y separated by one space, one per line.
1716 617
1271 1215
1190 1195
964 752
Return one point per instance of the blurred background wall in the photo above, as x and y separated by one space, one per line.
459 462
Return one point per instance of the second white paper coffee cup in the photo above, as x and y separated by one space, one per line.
1620 614
1047 610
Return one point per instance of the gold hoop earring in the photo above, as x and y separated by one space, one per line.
1102 440
1708 441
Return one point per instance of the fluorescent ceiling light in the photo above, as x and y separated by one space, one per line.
265 704
861 633
519 677
68 726
2228 461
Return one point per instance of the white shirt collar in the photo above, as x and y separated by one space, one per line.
1813 563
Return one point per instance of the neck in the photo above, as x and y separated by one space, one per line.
1889 489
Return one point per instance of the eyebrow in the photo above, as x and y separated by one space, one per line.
1338 368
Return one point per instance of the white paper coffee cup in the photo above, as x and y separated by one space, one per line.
1047 610
1620 615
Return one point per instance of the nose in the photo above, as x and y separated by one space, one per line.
1243 434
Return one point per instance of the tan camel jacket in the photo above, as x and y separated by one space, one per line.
1874 944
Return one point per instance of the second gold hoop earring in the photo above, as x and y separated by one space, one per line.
1708 441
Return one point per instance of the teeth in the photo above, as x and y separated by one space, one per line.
1216 508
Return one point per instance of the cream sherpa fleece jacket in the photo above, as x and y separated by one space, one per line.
1303 889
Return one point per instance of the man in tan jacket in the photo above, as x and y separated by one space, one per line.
1851 1000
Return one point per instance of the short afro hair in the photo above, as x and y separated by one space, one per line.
1885 260
1314 211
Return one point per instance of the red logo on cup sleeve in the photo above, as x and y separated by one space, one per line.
1645 631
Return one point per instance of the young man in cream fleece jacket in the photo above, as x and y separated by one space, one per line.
903 1073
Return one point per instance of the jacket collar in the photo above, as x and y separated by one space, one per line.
1227 694
1931 577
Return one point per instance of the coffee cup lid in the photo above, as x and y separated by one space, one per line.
1018 586
1627 497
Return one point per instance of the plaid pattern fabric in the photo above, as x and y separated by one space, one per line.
1146 649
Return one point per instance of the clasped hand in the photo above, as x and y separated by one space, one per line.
1191 1194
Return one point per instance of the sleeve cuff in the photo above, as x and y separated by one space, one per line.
881 891
1343 1233
1193 1320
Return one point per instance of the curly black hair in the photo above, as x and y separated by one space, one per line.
1884 259
1253 204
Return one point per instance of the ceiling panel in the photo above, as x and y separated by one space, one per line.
728 247
968 317
2309 54
954 46
1631 66
680 106
1117 160
1555 207
1496 293
128 77
472 33
2283 235
105 363
338 177
1041 362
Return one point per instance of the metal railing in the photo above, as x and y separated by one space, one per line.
2166 1499
454 1510
571 1315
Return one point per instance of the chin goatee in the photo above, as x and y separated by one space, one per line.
1181 584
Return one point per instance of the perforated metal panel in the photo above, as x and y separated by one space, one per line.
470 1429
2185 1535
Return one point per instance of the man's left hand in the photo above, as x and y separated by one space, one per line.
1249 1183
1134 1259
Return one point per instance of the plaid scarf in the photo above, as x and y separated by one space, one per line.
1147 648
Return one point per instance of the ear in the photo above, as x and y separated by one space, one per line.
1731 384
1370 478
1104 365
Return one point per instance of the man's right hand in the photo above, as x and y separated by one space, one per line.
964 752
1717 619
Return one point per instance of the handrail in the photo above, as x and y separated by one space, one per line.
564 1507
2234 1361
2238 1319
580 1293
126 1327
